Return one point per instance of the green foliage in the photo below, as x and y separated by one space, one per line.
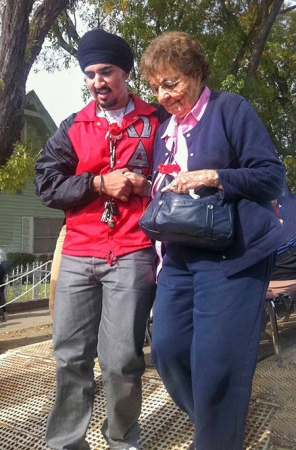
15 259
232 84
44 258
290 163
18 169
19 259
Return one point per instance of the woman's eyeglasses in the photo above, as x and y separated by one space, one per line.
167 86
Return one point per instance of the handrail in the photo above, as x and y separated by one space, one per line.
25 275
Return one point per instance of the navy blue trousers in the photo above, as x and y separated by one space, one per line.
206 335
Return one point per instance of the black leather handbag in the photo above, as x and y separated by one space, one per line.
206 221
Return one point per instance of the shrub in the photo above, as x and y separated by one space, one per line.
19 259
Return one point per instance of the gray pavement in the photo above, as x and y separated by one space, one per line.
33 323
271 422
22 321
25 319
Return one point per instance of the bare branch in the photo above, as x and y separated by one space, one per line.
42 20
287 10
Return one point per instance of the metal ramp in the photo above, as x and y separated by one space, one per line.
27 377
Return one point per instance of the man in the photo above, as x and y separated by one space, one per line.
95 168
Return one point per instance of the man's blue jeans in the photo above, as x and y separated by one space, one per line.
100 308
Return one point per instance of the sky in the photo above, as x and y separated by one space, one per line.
59 92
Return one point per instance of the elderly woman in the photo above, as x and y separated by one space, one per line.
209 304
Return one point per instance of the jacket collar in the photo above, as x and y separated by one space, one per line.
88 113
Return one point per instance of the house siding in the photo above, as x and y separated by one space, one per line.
13 208
37 133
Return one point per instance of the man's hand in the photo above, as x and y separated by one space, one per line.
140 185
114 184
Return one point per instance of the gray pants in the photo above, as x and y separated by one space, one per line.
100 308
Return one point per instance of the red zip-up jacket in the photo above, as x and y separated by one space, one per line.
72 157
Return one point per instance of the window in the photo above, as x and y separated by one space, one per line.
39 234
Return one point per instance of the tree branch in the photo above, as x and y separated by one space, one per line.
287 10
270 13
42 20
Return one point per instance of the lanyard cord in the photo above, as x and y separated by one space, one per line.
112 151
115 133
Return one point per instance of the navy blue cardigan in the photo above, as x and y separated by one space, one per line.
231 138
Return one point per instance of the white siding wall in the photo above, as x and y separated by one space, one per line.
13 208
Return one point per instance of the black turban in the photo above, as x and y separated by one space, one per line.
99 47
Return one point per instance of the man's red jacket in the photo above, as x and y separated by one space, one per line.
71 158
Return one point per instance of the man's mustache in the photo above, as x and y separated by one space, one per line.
103 90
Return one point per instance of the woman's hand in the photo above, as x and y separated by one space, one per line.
193 180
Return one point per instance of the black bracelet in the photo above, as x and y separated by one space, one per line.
101 185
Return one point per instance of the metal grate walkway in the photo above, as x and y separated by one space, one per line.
27 377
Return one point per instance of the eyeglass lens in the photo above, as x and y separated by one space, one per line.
167 86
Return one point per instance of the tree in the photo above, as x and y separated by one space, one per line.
254 56
24 26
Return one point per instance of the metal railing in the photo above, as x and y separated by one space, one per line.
30 282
